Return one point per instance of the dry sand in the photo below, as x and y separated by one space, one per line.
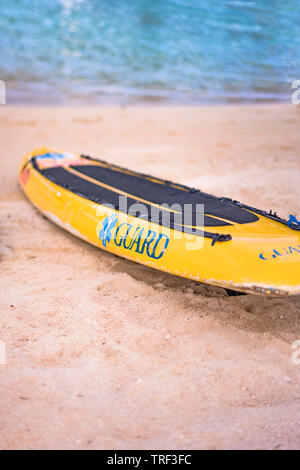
104 353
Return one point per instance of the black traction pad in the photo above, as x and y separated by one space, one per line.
159 193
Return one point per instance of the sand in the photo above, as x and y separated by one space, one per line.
104 353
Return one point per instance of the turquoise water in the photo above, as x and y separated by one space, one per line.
136 51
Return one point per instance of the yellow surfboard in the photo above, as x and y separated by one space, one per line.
164 225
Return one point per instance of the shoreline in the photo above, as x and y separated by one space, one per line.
152 103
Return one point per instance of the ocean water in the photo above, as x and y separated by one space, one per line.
153 51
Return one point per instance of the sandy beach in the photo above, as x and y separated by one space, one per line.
102 353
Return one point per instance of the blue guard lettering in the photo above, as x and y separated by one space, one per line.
134 239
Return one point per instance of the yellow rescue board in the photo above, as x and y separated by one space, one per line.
236 247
